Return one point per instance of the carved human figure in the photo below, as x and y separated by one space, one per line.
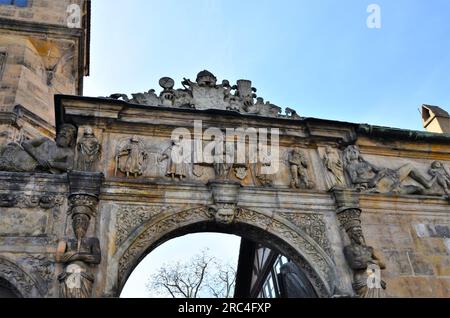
135 158
264 162
42 154
78 256
223 213
89 150
442 174
223 163
299 170
366 266
177 166
366 176
335 168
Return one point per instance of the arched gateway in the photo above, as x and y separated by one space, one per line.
261 227
343 201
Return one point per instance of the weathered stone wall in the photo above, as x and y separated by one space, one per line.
403 215
25 74
33 210
41 11
412 235
40 56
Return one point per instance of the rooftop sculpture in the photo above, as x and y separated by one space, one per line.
205 93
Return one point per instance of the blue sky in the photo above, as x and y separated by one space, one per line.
317 56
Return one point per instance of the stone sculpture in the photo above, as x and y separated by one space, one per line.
225 198
362 259
42 154
206 93
131 157
78 255
299 170
223 163
367 177
442 174
177 167
89 150
264 161
335 168
366 266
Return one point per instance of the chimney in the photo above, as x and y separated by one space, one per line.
435 119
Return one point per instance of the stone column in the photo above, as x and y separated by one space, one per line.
80 254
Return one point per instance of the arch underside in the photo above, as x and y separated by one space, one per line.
268 229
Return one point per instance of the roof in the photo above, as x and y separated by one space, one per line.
438 112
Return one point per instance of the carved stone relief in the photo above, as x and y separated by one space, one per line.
365 176
225 196
205 93
334 168
441 173
361 258
177 160
130 217
80 254
131 157
42 267
264 161
45 202
314 225
299 166
319 260
157 230
24 283
89 150
41 155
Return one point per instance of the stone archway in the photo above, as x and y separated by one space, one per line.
268 229
18 281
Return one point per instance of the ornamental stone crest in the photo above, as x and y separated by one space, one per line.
206 93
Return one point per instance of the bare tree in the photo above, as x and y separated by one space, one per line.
201 276
223 282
